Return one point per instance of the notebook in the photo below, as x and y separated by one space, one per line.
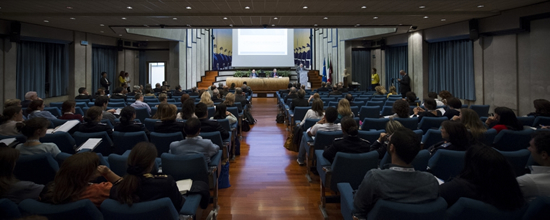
184 185
117 112
90 144
65 127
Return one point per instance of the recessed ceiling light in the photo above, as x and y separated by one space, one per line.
102 31
305 7
481 6
230 25
275 18
69 7
174 19
129 7
120 35
325 18
247 7
443 19
375 18
363 7
273 25
46 21
315 25
123 18
188 7
101 25
188 25
425 16
73 18
224 18
357 25
422 7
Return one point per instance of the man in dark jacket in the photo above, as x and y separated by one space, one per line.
83 94
240 97
207 125
300 101
404 83
291 95
104 82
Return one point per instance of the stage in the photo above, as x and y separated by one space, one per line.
260 84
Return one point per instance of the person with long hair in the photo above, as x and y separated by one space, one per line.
400 109
12 116
380 90
10 187
453 107
12 102
229 100
127 80
344 109
350 143
222 113
316 112
99 92
121 78
187 110
206 99
168 123
73 181
542 108
504 119
445 96
381 144
488 177
68 108
34 129
430 111
36 109
455 137
470 119
393 91
93 122
127 121
313 97
183 97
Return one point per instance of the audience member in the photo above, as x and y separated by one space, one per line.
118 94
137 90
335 91
29 97
222 113
323 87
187 110
12 116
433 95
12 102
194 92
503 119
393 91
36 109
455 137
542 108
93 122
163 99
168 123
157 88
241 97
128 123
34 129
381 144
313 97
325 124
102 102
349 97
291 95
229 100
445 95
400 182
470 119
299 101
193 142
488 177
380 90
83 94
149 92
344 109
453 107
537 183
206 99
68 108
10 187
430 111
342 88
73 181
178 92
207 125
316 112
140 104
160 110
400 109
216 98
99 92
410 97
183 98
350 143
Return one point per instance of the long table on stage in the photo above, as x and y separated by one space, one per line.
260 84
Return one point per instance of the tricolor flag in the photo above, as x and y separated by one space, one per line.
324 71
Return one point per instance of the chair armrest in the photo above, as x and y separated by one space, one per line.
60 157
346 199
191 204
216 159
322 161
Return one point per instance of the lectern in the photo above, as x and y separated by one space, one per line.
302 74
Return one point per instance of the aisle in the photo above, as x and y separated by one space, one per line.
266 181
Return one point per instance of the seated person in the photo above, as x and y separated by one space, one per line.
193 142
68 108
128 123
393 91
157 88
102 102
118 94
433 95
323 87
12 102
316 112
207 125
34 129
187 110
325 124
240 96
350 143
137 90
163 99
253 74
291 95
487 177
178 92
445 95
93 122
381 144
12 116
168 123
274 74
504 119
342 88
149 92
205 98
313 97
470 119
195 92
29 97
349 97
99 92
380 90
536 183
431 111
542 108
222 113
455 136
410 97
335 91
140 104
300 101
36 109
83 94
399 182
400 109
344 109
68 187
10 187
453 109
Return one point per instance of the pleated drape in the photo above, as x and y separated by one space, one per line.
104 59
397 58
360 67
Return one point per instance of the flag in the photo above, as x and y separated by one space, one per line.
329 77
324 72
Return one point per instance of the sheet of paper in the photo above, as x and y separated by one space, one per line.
90 144
184 185
440 181
7 141
117 112
67 126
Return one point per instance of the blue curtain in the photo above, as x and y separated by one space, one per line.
41 67
452 68
397 58
104 59
360 67
142 69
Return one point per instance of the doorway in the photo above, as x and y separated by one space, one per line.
157 72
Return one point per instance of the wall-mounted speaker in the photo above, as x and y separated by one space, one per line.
474 29
15 31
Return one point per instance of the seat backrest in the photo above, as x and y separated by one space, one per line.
116 104
239 105
538 209
192 166
389 103
375 103
481 110
9 209
310 122
420 162
431 122
508 140
56 104
38 168
410 123
527 121
466 208
117 163
142 114
518 160
300 112
64 141
214 136
81 209
446 164
163 140
325 138
384 209
211 112
489 137
431 137
162 208
370 136
374 123
127 140
333 103
358 103
386 110
234 111
78 110
54 110
361 163
369 112
540 120
225 124
154 110
108 122
116 100
355 110
150 124
104 148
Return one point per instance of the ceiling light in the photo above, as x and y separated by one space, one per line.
422 7
129 7
224 18
275 18
325 18
315 25
188 25
425 16
123 18
305 7
375 18
46 21
145 25
188 7
174 19
443 19
230 25
246 7
69 7
357 25
363 7
101 25
481 6
73 18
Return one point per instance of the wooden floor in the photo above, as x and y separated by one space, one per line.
266 182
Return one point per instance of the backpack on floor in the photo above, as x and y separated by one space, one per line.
248 117
280 118
246 126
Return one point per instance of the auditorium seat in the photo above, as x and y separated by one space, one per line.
321 140
508 140
466 208
410 123
489 137
127 140
374 124
309 123
56 104
430 123
299 113
54 110
163 140
389 103
481 110
370 136
149 123
142 114
386 111
518 160
446 164
431 137
527 121
116 104
384 209
541 121
82 209
37 168
357 103
9 209
64 141
420 162
82 100
116 100
162 208
58 122
375 103
539 208
369 112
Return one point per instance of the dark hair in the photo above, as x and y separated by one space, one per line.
178 87
8 113
126 115
220 111
458 134
73 177
118 89
490 171
317 107
331 114
101 100
301 94
8 157
34 105
454 103
411 96
541 140
401 108
192 126
349 126
103 73
138 96
67 106
444 94
349 97
542 106
374 70
93 114
81 89
232 85
508 118
188 108
430 104
201 110
147 91
406 144
121 73
183 98
168 112
432 95
30 126
141 159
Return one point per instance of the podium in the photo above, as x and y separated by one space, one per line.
303 78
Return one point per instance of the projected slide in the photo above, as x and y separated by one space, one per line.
263 42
